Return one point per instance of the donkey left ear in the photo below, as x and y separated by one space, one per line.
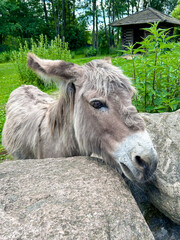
54 69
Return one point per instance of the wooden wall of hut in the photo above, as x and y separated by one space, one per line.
132 34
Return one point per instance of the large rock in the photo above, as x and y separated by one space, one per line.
164 192
73 198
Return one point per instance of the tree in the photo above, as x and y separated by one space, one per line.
45 12
176 14
63 26
165 6
21 18
170 5
94 22
8 13
176 11
104 21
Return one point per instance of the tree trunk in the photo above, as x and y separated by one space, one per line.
113 18
45 13
97 37
109 16
137 5
69 14
145 4
58 22
63 29
128 6
54 16
1 39
118 29
73 12
94 22
118 33
105 26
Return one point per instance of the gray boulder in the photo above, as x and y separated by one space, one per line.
164 192
72 198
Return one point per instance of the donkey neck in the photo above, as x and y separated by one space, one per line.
62 127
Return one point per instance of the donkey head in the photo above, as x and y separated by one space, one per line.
104 120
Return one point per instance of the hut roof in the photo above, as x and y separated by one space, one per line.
148 15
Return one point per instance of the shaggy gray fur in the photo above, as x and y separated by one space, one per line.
38 127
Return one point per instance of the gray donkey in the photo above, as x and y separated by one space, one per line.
93 115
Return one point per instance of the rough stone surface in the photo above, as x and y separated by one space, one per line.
164 192
72 198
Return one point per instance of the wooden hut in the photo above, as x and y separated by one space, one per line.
132 25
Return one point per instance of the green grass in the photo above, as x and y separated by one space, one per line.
9 80
84 60
117 61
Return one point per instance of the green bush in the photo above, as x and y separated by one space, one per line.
77 36
90 52
5 57
4 48
103 45
56 49
156 71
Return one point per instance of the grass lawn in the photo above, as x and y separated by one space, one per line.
9 80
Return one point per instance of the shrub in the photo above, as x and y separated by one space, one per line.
90 52
156 72
103 44
77 36
4 48
5 57
56 49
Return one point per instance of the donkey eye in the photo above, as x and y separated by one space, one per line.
98 104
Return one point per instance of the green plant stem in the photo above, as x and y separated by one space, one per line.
154 74
134 71
145 93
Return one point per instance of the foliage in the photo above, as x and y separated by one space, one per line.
76 36
90 52
5 57
12 43
156 72
176 12
69 19
21 18
103 44
57 49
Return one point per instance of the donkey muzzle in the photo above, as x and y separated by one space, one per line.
137 157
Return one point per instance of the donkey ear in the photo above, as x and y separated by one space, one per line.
54 69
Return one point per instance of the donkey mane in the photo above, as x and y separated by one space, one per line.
61 112
105 77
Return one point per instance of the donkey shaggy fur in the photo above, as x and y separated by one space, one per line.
93 115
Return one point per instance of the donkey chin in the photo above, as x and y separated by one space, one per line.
137 157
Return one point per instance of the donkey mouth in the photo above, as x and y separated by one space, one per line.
129 174
136 175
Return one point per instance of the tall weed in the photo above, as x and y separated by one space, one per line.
156 71
56 49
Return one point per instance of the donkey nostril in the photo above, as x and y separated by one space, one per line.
140 161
